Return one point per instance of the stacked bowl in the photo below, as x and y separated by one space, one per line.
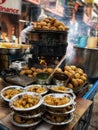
26 108
59 108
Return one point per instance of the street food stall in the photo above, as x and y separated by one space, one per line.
62 102
52 91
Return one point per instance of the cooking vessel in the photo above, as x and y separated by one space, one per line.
42 78
12 51
60 78
87 59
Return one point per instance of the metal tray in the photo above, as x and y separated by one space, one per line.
30 116
61 123
51 87
13 51
58 95
59 111
12 87
39 86
23 125
19 96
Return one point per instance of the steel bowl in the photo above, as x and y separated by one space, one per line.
58 95
19 96
60 79
25 125
42 78
8 88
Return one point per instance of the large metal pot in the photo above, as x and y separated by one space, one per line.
87 59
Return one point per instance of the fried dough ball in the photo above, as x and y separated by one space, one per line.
56 24
77 75
49 99
73 72
37 27
38 70
50 24
80 82
9 93
22 72
45 28
74 82
70 85
58 70
59 88
83 78
26 101
80 70
25 67
34 74
33 69
85 75
53 28
49 70
73 67
28 71
42 23
69 74
53 20
47 20
61 28
37 89
67 68
30 76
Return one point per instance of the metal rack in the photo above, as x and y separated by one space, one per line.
85 120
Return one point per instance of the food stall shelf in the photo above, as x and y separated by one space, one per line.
85 120
91 92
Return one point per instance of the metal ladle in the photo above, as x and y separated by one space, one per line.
51 75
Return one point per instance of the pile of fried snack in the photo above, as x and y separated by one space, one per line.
50 24
77 75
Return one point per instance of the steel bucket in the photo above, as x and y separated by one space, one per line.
87 59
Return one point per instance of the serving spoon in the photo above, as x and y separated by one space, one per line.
57 66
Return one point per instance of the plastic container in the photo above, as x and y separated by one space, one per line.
82 41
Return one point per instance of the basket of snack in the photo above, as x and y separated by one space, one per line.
51 24
78 78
